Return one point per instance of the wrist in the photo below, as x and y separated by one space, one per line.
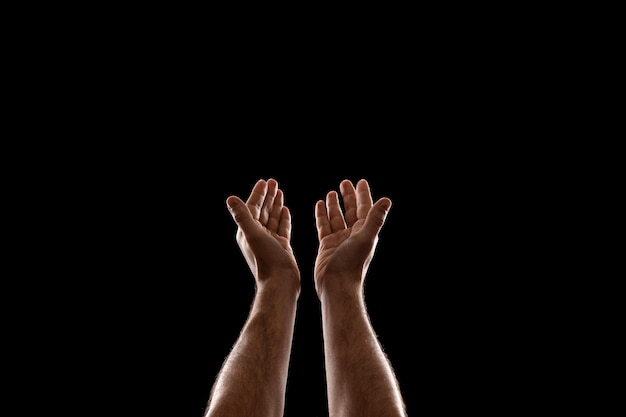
339 287
280 285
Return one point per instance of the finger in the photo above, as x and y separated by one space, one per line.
241 214
348 195
335 216
257 197
284 227
376 217
363 199
321 220
273 222
268 203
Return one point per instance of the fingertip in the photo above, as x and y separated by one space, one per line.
272 182
385 203
345 185
232 202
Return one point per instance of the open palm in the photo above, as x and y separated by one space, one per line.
347 241
264 229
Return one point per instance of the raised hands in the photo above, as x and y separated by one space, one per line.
360 379
264 231
347 239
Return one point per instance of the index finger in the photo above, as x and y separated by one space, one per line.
321 220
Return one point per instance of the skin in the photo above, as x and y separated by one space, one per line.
360 379
253 378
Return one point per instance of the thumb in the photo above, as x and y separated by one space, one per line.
376 216
240 213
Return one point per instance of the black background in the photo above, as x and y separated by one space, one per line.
151 284
167 290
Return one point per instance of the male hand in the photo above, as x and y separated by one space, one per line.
264 231
347 240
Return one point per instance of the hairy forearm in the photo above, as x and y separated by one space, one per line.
361 381
253 378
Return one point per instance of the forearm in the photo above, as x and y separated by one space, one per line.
253 378
360 378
